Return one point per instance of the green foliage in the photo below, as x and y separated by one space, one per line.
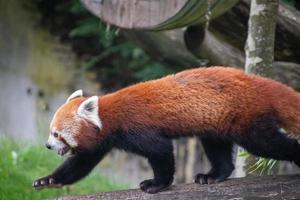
261 165
19 166
290 2
117 61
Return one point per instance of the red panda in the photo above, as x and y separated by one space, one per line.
221 106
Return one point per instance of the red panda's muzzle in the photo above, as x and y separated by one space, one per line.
63 150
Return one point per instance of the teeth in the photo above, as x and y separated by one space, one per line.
60 152
63 151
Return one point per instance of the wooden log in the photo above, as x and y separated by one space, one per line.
169 47
157 14
288 73
205 44
232 28
223 42
267 187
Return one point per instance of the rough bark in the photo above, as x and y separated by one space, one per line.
268 187
259 47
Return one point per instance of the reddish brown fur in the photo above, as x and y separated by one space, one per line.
194 101
218 99
224 104
66 116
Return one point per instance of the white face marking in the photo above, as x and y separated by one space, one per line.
89 110
55 143
68 137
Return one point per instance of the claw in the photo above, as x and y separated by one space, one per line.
151 186
51 181
45 182
207 179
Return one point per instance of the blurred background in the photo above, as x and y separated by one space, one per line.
48 49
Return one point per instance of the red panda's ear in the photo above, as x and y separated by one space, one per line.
88 109
77 93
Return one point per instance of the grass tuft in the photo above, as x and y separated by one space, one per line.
261 165
19 166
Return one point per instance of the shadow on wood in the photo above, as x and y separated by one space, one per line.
267 187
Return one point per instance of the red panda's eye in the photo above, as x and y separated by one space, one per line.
55 134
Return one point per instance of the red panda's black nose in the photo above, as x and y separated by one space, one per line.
48 146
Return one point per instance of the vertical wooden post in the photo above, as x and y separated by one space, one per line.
259 47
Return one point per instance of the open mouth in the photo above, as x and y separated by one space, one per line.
63 151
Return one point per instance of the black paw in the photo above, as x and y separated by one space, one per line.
207 179
46 182
151 186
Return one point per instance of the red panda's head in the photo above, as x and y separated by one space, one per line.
75 124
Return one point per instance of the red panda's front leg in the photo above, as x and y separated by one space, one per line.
163 168
72 169
158 149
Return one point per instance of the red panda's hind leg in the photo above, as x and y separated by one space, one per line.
219 153
265 139
273 144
